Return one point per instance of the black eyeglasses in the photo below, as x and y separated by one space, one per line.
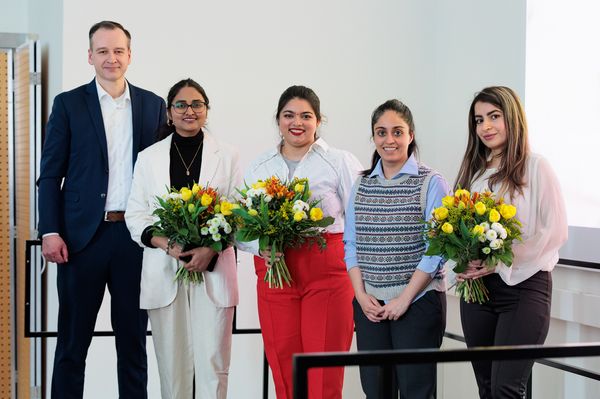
181 107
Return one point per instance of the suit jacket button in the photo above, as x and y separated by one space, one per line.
103 195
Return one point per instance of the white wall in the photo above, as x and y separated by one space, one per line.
14 16
434 55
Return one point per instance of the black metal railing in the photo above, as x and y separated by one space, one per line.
388 359
539 359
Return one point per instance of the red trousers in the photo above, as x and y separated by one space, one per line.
313 315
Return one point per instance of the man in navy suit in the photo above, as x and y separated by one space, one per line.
92 139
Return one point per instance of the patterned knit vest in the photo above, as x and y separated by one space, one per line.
389 231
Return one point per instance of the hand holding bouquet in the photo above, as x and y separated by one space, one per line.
279 215
470 227
196 217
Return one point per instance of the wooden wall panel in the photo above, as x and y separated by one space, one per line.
6 325
22 201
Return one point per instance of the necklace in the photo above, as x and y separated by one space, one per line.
187 167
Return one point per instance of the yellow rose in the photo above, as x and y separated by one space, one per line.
206 200
299 188
447 228
478 230
494 216
440 213
186 193
480 208
195 189
316 214
191 208
252 212
508 211
226 208
259 184
298 216
448 201
460 192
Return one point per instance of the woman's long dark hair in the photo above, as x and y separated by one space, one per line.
510 176
404 112
167 128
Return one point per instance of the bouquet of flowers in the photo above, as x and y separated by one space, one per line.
196 217
279 215
473 226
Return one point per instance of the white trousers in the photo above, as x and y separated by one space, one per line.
192 340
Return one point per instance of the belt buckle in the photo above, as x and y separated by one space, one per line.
106 216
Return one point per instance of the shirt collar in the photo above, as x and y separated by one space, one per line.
320 145
126 96
410 168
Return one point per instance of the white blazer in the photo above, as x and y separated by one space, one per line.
220 170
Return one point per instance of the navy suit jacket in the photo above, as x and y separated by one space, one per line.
75 150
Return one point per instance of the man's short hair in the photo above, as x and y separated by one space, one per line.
110 25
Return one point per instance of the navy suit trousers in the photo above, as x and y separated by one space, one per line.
112 260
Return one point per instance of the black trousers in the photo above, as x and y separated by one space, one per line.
111 259
514 315
422 326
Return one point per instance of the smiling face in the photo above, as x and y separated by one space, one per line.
490 127
392 136
190 122
109 54
298 124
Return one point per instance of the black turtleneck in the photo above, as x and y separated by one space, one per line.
188 146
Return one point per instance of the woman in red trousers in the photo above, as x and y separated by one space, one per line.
315 313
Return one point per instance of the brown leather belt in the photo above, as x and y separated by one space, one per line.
114 216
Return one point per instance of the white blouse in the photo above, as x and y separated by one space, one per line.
331 173
541 210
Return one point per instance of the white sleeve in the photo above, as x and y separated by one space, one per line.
138 214
551 229
350 169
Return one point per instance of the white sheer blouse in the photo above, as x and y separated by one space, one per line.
541 210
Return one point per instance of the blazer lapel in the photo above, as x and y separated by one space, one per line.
210 161
136 114
161 166
93 106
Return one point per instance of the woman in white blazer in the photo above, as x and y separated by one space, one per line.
191 323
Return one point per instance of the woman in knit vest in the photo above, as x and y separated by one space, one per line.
498 159
399 292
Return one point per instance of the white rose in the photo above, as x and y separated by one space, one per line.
216 237
204 231
497 227
485 225
227 228
491 235
486 250
503 234
481 237
213 229
496 244
300 206
268 198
